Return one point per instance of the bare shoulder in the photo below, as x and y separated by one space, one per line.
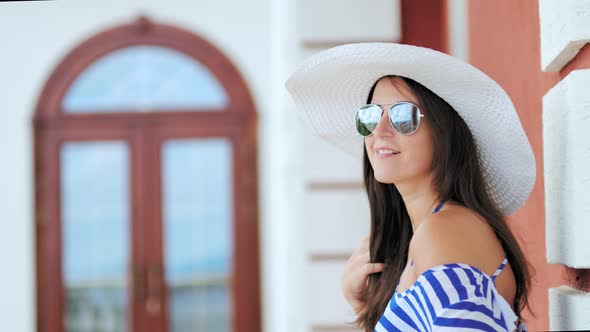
455 235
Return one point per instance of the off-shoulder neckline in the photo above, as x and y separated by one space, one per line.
463 266
441 267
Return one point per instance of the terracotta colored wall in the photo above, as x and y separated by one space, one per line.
504 41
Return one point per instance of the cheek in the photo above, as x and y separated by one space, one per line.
421 154
369 148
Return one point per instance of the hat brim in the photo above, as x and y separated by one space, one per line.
329 86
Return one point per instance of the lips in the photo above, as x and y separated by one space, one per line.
383 153
386 152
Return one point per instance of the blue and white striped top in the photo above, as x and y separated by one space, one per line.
450 297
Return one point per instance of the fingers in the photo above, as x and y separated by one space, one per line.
372 268
365 258
362 257
358 268
358 260
364 244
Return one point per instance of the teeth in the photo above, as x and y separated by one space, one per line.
385 151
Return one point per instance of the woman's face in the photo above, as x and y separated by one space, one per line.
414 160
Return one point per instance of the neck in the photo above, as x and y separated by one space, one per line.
420 199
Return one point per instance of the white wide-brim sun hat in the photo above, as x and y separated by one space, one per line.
328 87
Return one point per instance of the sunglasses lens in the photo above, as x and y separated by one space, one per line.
367 117
404 117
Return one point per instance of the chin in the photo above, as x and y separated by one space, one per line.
384 178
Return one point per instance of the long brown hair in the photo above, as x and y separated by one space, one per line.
457 176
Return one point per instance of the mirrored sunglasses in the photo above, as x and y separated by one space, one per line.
404 117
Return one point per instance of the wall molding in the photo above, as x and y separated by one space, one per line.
565 29
562 315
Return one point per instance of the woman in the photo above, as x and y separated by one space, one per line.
445 161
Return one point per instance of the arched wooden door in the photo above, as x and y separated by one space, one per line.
146 187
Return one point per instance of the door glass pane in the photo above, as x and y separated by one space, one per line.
198 213
95 235
144 79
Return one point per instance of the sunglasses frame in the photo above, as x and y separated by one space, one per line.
391 106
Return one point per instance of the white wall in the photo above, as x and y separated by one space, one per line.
34 36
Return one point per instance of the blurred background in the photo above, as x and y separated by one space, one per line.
155 175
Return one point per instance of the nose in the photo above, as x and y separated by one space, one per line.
383 127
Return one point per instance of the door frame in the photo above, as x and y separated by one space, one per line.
52 126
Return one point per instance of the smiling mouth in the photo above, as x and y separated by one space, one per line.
385 152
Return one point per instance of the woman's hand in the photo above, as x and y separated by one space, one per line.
354 277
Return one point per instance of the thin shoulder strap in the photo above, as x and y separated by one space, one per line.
500 268
440 205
